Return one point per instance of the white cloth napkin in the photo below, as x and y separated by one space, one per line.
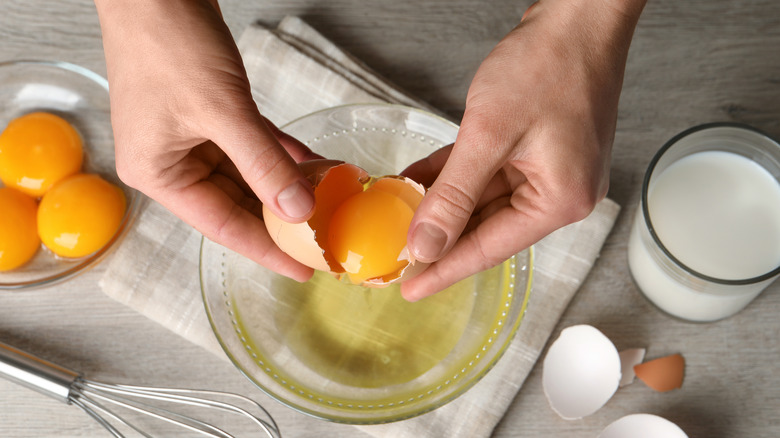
294 71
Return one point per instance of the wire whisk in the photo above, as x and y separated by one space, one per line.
103 401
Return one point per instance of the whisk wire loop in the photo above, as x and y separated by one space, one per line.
99 418
119 395
153 412
99 414
93 398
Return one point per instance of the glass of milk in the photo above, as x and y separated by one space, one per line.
706 238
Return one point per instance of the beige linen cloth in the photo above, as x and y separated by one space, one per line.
294 71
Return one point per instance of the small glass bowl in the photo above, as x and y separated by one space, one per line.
354 355
80 96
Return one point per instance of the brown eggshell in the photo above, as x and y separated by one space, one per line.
299 236
300 240
662 374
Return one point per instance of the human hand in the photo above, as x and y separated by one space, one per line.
533 150
189 135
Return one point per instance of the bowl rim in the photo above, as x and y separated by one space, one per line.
134 204
65 65
384 418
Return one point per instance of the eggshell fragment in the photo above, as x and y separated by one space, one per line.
662 374
581 372
629 358
642 426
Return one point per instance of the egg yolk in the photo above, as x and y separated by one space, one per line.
18 234
367 234
80 215
37 150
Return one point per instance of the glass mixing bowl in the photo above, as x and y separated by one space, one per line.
350 354
80 96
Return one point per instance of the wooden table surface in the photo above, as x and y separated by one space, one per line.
691 62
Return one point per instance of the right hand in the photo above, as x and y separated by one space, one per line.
188 133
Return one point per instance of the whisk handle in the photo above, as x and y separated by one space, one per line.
35 373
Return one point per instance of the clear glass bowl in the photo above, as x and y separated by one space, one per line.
354 355
81 97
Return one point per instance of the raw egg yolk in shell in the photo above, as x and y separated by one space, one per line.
367 234
18 234
358 228
37 150
80 215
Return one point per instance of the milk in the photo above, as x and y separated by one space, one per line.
718 213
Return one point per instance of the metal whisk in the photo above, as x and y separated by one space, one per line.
94 398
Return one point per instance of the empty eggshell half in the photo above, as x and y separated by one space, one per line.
642 426
581 372
334 183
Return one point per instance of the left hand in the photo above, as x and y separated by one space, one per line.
533 150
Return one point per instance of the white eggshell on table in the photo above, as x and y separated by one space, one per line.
581 372
642 426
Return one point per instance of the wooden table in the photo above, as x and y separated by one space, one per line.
691 62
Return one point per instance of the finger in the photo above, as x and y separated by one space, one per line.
210 209
451 200
426 170
237 193
528 11
227 169
266 166
297 150
493 241
487 210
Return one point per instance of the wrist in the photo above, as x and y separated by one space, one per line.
611 14
123 11
605 27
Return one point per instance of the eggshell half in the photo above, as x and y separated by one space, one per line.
642 426
581 372
333 182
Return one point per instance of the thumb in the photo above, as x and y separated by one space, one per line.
449 203
267 168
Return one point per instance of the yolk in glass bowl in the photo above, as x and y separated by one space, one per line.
37 150
80 215
18 234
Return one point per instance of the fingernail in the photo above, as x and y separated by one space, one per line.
296 201
428 242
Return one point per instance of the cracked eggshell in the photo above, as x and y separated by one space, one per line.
300 238
642 426
334 182
411 193
629 358
581 372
